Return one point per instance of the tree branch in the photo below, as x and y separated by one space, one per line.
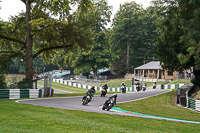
12 39
50 48
15 53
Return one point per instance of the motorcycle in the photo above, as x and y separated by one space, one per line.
138 88
109 103
103 92
144 87
154 86
123 88
86 99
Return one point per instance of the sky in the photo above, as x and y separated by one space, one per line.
13 7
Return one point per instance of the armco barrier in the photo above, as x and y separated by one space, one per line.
20 93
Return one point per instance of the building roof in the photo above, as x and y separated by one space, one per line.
150 65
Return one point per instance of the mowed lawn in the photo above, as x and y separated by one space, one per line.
64 87
74 91
22 118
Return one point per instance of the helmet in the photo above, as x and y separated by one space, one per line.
92 87
115 95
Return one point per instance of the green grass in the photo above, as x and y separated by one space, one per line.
65 87
75 91
14 78
180 81
161 105
116 83
22 118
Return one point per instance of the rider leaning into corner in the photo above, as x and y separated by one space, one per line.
91 92
105 87
115 98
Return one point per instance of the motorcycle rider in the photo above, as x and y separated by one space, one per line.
91 92
107 102
104 91
138 85
144 86
154 85
115 98
123 86
105 86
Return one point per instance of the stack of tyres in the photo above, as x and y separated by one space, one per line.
24 93
4 93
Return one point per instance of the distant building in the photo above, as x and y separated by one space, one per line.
153 72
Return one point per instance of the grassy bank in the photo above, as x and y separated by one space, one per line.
23 118
161 105
180 81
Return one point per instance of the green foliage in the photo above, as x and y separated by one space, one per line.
98 54
179 35
133 37
52 27
3 84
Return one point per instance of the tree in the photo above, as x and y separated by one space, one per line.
178 43
133 36
37 31
98 55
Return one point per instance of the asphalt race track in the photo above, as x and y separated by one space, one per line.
75 103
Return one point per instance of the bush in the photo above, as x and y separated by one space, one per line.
3 81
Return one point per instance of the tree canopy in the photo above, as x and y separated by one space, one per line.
38 31
178 43
97 56
132 36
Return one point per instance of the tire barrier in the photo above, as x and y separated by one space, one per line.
193 104
20 93
184 100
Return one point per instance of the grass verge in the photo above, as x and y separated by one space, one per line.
161 105
24 118
180 81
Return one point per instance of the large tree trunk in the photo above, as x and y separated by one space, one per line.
128 53
29 58
95 73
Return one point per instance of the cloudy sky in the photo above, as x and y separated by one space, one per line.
12 7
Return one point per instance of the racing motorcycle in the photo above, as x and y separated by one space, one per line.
144 87
123 88
154 85
110 102
138 87
103 92
87 98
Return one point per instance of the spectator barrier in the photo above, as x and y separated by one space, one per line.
21 93
64 82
